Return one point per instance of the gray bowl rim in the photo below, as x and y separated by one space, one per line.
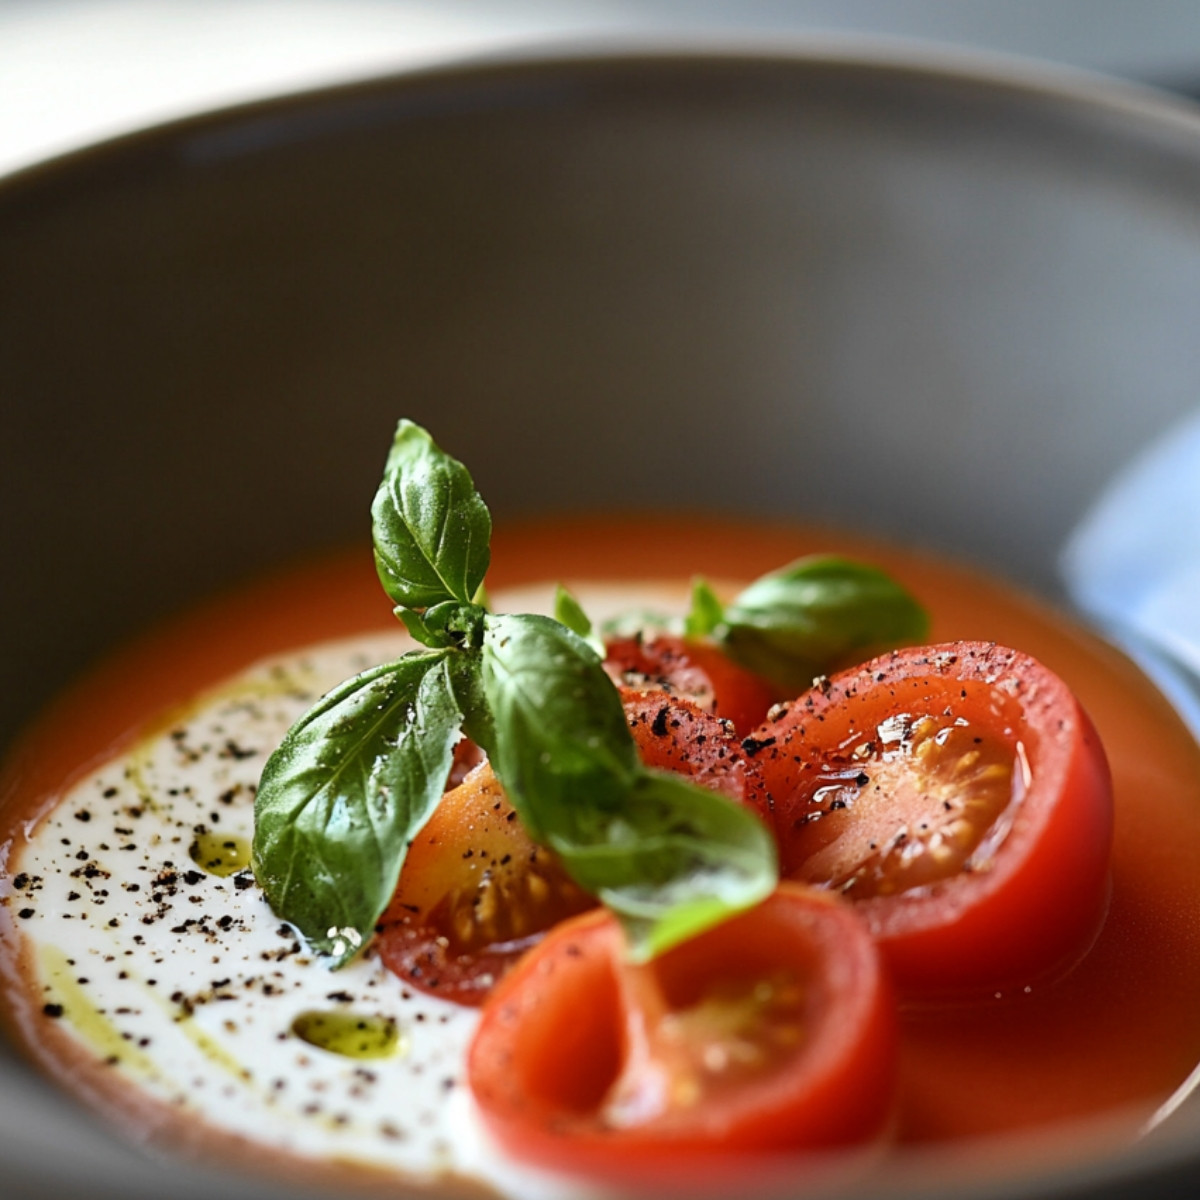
1169 117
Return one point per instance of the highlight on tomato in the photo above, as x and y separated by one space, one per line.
691 669
959 796
773 1031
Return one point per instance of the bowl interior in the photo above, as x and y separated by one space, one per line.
931 304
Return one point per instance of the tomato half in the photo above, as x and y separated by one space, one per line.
693 670
775 1030
674 734
960 797
475 893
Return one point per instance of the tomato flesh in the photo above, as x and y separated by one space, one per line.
474 894
960 797
773 1031
694 670
916 801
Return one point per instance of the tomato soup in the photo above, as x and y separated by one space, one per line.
1114 1039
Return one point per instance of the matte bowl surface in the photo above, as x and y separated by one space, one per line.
942 302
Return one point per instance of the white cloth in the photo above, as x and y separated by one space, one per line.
1133 562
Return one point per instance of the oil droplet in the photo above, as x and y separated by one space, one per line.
354 1035
220 853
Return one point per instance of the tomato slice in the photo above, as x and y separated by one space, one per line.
475 893
775 1030
693 670
675 734
960 797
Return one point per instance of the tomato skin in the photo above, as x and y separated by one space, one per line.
674 734
694 670
1032 906
574 1025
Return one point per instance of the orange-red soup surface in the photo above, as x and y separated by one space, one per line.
1118 1035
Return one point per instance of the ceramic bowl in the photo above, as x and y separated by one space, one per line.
936 299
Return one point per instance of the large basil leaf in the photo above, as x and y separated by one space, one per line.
431 527
559 726
350 785
674 860
815 615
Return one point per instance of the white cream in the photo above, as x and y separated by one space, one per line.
189 986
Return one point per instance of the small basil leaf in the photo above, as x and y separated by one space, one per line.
814 615
706 613
431 527
674 860
350 785
569 612
559 736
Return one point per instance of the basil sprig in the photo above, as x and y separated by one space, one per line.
808 618
356 778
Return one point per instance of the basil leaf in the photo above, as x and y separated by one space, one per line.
350 785
812 616
706 613
569 612
559 735
672 861
431 527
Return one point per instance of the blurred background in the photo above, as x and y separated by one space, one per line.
74 71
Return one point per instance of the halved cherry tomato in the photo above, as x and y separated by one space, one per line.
960 797
774 1030
674 734
475 893
693 670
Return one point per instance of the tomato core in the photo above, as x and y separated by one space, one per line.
916 800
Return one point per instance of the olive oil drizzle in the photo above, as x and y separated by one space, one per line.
350 1034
